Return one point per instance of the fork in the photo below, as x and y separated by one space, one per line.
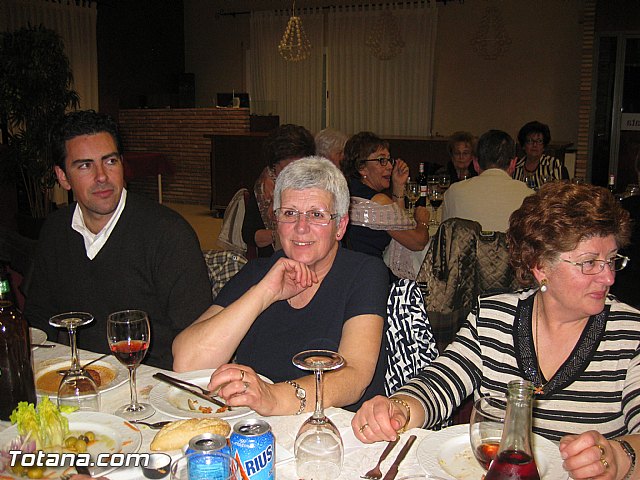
375 473
153 426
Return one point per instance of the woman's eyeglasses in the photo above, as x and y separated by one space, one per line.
314 217
534 141
382 161
594 267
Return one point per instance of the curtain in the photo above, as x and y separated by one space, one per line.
75 22
292 90
388 96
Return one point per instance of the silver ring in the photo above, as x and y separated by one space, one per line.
246 387
241 374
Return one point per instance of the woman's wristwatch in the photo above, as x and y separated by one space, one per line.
301 394
631 453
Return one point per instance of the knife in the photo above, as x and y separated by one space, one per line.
393 471
188 387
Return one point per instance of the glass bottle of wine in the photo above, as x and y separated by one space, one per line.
515 460
422 182
16 374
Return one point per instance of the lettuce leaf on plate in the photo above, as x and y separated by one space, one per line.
43 423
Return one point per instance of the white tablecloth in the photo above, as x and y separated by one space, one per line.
358 457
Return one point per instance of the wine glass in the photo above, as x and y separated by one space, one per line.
444 180
318 446
530 180
413 194
77 387
129 335
485 428
435 199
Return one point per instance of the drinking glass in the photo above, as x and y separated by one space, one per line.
77 387
435 199
205 466
413 194
530 180
444 180
129 335
318 446
485 428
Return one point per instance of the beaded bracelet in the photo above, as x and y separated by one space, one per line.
399 401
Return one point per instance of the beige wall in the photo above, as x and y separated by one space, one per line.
537 77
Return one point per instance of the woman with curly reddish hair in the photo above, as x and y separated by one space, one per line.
577 345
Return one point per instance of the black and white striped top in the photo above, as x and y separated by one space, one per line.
549 167
597 388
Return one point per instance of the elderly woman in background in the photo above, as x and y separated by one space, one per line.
536 168
330 144
284 145
461 148
577 345
375 217
312 294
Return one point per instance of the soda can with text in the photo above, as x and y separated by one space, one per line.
207 443
253 446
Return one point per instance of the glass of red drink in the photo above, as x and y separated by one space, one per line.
129 335
485 428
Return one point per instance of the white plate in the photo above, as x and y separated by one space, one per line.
37 336
112 363
448 453
174 402
113 435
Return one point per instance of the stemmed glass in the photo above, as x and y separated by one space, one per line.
77 388
485 428
129 335
318 446
435 200
413 194
444 180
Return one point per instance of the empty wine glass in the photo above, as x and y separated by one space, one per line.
413 194
444 180
435 199
485 428
318 447
129 335
530 180
77 387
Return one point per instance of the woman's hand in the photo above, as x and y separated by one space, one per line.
240 386
287 278
399 176
378 419
590 455
422 215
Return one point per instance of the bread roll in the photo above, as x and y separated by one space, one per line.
177 434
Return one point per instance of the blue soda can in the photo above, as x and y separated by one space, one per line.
207 443
253 445
209 466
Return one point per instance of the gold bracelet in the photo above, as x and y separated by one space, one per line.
425 224
397 196
399 401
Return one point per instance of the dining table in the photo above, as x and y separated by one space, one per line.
358 457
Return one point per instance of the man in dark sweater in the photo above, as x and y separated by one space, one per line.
112 250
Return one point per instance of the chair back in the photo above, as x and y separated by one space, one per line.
230 237
222 265
461 263
410 344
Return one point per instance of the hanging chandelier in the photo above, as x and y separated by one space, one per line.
385 41
294 45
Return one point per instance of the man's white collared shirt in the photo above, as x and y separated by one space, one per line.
93 243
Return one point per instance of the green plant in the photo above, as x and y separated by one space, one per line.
35 92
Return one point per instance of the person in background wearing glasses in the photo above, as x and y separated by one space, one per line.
377 213
461 148
536 168
578 345
312 294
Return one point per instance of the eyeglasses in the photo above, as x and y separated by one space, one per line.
534 141
594 267
461 154
382 161
314 217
